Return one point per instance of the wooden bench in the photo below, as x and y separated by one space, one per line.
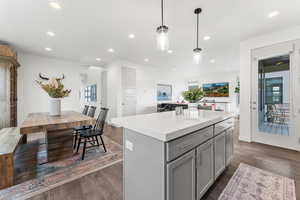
9 140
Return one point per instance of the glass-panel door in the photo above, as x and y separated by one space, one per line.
272 95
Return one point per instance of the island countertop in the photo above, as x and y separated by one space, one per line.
166 126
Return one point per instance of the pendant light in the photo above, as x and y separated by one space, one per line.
197 51
162 32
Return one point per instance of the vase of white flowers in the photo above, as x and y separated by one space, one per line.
55 106
56 92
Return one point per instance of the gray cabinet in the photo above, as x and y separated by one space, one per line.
204 167
181 176
219 147
229 146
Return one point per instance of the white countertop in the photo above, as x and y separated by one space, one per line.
166 126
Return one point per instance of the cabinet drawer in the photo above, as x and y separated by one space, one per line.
178 147
222 126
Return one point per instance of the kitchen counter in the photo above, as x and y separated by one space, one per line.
167 126
174 157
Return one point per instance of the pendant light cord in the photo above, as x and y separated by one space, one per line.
162 12
197 31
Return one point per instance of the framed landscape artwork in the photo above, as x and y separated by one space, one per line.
216 89
164 92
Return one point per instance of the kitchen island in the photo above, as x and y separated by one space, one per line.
174 157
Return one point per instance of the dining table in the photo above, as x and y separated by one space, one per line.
58 131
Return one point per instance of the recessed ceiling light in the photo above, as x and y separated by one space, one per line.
131 36
212 61
170 51
55 5
273 14
146 59
98 59
111 50
206 37
50 33
48 49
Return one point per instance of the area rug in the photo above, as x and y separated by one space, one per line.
64 171
250 183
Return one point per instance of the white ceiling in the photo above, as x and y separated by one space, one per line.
85 29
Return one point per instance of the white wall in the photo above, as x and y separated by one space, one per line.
147 79
245 74
31 98
180 84
93 76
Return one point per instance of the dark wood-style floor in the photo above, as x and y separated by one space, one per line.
106 184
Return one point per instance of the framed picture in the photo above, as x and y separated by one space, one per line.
164 92
216 89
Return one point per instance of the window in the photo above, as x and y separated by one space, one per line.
90 93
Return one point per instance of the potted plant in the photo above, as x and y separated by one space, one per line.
56 91
193 96
237 91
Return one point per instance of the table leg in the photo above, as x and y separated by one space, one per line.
24 139
59 144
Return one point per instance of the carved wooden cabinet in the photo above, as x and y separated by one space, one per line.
8 59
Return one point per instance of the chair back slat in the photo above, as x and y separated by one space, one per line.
92 111
85 110
99 126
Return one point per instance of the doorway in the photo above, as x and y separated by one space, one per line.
272 95
129 96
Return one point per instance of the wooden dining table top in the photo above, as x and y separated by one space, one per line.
42 121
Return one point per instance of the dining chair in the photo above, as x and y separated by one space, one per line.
91 135
85 110
91 113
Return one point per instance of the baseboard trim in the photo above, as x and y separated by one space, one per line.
244 139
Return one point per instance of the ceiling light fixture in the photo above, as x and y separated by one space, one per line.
146 60
111 50
98 59
162 32
48 49
170 51
131 36
273 14
55 5
50 33
206 38
197 51
212 61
